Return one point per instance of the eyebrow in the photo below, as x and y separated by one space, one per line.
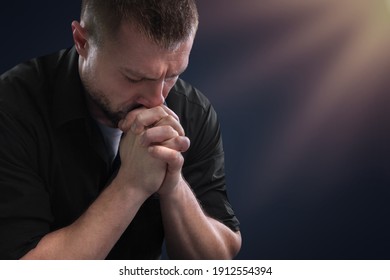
135 73
141 75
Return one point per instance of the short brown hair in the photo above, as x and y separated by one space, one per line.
166 22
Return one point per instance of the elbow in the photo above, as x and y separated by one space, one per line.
238 242
234 245
229 247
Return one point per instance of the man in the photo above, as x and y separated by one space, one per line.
64 193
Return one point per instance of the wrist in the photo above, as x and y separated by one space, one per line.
129 191
173 192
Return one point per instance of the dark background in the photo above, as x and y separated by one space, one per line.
302 92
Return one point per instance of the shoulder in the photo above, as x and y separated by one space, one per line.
192 106
26 89
185 96
32 73
197 116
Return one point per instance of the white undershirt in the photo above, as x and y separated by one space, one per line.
112 137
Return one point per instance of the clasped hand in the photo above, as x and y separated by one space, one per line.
151 148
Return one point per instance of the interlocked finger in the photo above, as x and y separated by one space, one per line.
157 135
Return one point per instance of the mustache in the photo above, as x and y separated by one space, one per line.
135 106
128 109
116 117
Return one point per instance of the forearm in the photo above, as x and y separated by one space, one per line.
190 234
93 235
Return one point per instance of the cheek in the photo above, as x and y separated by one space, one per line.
122 91
168 86
166 92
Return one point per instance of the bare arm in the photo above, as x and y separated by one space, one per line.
93 235
190 233
151 162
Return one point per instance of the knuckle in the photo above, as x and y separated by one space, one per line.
138 119
170 118
161 111
174 132
170 130
178 159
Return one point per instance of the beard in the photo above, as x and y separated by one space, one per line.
105 106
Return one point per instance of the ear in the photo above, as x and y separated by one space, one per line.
80 38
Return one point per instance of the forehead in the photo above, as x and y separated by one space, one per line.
133 49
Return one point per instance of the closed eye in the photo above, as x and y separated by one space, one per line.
132 80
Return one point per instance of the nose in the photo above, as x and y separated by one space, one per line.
153 95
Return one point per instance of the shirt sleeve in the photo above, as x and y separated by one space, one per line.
25 212
204 166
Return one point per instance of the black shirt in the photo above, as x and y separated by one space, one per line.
53 161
